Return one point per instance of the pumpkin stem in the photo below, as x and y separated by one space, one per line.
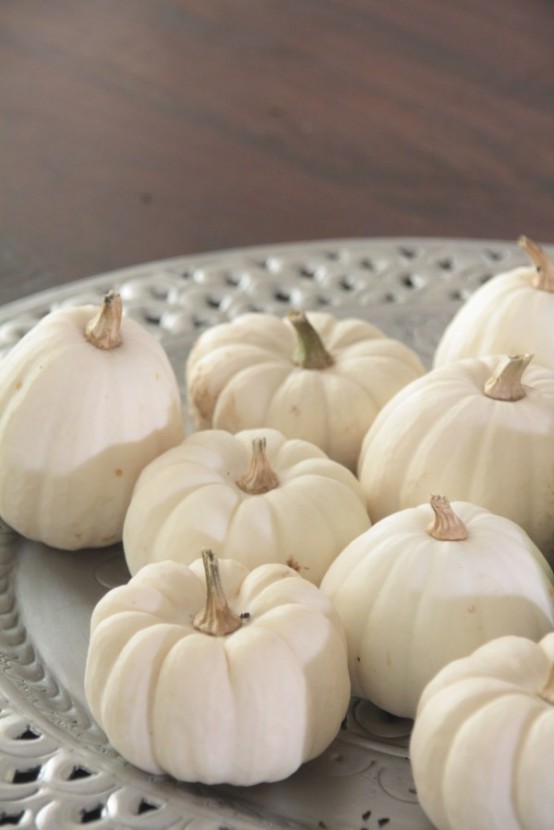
544 278
217 618
505 382
260 478
309 353
446 527
104 330
547 690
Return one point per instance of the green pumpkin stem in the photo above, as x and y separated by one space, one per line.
216 619
505 382
544 278
309 353
104 330
446 526
260 477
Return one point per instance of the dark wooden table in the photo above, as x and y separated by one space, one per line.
143 129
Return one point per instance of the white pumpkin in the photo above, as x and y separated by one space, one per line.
482 428
482 748
414 594
510 314
311 377
240 691
255 496
87 399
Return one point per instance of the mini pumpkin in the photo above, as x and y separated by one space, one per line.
482 746
482 428
87 399
428 585
255 496
510 314
240 688
310 376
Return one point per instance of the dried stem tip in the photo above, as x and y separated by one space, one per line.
259 478
217 618
446 527
104 330
310 353
505 382
544 278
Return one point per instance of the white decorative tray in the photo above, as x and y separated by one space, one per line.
57 770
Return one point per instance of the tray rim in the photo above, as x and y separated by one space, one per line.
119 274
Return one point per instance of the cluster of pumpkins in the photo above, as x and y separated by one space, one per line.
300 546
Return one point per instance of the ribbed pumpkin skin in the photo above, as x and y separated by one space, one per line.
442 434
77 426
482 747
241 375
243 708
189 499
410 603
506 315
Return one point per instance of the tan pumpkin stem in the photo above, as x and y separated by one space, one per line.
446 527
310 353
104 330
260 478
544 278
505 382
217 618
547 690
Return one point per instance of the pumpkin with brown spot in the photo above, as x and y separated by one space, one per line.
310 376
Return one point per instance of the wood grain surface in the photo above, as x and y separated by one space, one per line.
142 129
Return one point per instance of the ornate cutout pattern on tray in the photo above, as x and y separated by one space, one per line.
57 769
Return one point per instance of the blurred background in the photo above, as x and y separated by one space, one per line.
137 130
